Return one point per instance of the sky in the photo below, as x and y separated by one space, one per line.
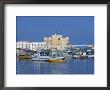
80 29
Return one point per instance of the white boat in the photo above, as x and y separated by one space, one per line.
91 56
40 57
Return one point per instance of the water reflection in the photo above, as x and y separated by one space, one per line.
72 66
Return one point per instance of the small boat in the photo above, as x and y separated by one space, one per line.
24 57
80 56
56 59
40 56
91 56
76 56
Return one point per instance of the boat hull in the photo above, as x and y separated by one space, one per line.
58 59
55 60
40 58
91 56
24 57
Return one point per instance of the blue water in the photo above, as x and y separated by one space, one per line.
72 66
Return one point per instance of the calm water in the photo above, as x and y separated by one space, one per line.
72 66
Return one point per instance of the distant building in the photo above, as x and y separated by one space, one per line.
56 42
30 45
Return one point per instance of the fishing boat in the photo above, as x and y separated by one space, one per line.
56 59
24 57
80 56
90 53
40 56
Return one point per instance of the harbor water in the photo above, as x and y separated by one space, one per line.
71 66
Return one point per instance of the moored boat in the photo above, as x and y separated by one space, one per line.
81 55
91 56
24 57
56 59
40 56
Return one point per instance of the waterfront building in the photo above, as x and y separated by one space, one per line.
56 42
30 45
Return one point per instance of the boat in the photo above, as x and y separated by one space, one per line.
80 56
91 56
56 59
24 57
40 56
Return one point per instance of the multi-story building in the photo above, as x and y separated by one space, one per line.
56 42
30 45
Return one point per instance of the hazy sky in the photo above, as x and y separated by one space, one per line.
80 29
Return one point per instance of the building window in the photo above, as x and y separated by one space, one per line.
29 46
26 45
22 45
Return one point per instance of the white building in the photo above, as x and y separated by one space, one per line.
31 45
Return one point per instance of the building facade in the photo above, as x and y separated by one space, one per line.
56 42
31 45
